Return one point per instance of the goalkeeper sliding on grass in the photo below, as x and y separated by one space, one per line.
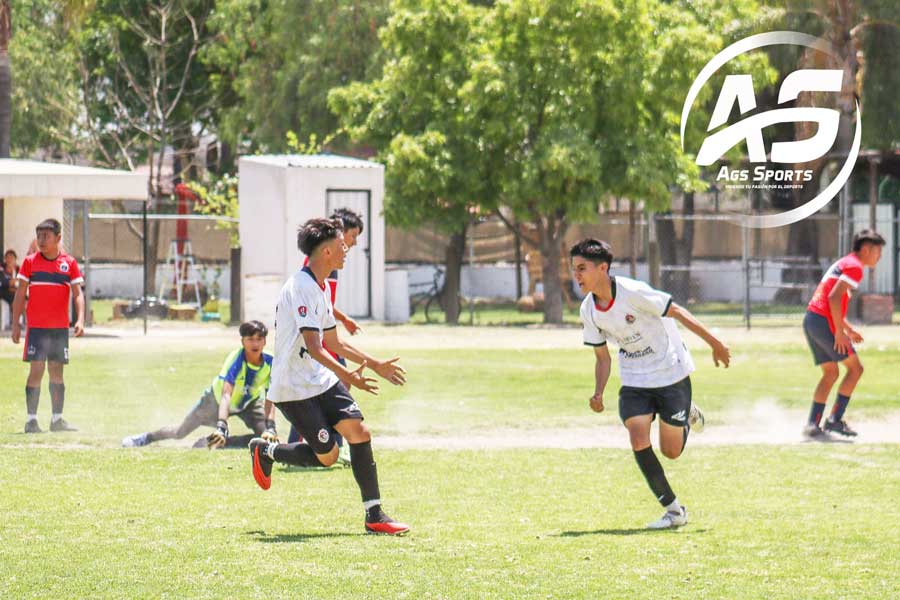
239 390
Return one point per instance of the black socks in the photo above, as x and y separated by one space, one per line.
655 476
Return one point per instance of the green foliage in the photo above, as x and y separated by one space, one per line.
219 197
418 117
46 98
274 62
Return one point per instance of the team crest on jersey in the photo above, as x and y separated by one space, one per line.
629 318
64 267
323 436
302 311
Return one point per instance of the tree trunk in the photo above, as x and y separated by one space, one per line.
551 231
5 78
453 259
677 251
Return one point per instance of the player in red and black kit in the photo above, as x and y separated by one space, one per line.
353 228
48 275
831 337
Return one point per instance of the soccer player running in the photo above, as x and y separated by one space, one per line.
353 228
47 275
238 390
654 363
831 337
310 387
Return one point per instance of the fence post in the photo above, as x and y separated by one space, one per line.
235 308
85 234
745 259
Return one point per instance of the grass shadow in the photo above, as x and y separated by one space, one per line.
623 532
290 538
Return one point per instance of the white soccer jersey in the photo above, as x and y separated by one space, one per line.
302 305
651 352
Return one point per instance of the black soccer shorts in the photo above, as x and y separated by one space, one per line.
316 417
671 402
46 344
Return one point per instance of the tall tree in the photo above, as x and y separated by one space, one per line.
145 90
417 116
273 64
5 77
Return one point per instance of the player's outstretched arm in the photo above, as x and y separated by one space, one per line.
388 369
602 368
721 353
349 378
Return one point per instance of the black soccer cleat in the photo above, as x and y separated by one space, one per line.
840 427
813 432
61 425
261 463
31 426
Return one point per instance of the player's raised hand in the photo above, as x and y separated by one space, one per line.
366 384
721 354
597 402
391 371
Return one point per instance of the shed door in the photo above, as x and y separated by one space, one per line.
354 294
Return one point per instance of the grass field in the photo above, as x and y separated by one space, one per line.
84 518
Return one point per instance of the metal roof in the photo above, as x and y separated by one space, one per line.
35 179
313 161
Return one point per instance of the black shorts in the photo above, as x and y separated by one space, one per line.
671 402
316 417
821 339
46 344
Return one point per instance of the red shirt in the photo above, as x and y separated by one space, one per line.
49 283
848 269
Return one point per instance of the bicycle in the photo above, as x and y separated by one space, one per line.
432 297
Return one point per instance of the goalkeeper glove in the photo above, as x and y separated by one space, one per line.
270 435
218 437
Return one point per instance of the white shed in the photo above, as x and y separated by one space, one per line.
277 194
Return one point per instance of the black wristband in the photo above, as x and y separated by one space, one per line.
270 424
222 424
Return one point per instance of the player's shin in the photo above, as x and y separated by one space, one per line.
362 461
300 454
655 476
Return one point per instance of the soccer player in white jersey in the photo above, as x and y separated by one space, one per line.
654 363
310 387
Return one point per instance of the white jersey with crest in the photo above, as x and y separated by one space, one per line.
302 305
651 351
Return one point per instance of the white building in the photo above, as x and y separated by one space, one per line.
277 194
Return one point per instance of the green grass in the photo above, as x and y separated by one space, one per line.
807 522
83 518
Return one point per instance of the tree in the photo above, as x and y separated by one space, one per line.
273 64
145 91
418 118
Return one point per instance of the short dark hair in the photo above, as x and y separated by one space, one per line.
10 251
251 328
596 251
867 236
49 224
315 232
349 218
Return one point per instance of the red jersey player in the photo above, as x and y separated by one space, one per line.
831 337
48 275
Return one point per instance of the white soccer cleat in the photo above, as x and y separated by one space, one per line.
135 441
670 520
696 419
